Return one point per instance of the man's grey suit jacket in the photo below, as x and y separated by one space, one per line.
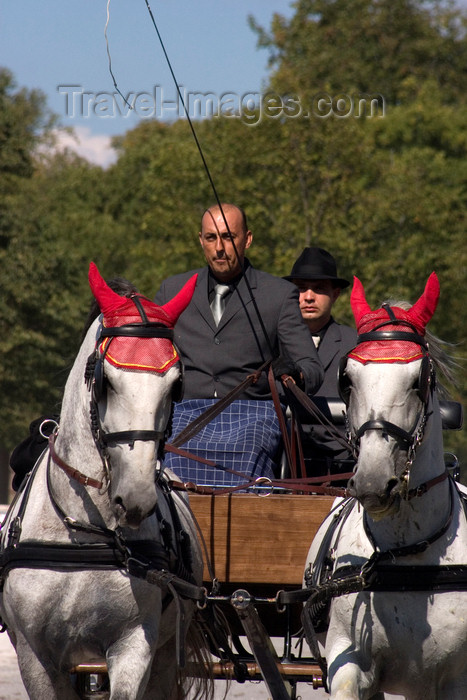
217 359
336 343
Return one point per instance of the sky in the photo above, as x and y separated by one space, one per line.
59 47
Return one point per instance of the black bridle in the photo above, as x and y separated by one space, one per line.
95 380
426 384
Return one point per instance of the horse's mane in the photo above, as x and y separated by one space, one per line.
441 353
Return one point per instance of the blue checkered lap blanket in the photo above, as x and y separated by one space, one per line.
245 437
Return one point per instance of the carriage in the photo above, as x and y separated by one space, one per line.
249 583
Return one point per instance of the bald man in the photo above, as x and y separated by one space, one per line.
225 334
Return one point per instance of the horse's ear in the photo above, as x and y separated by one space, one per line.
107 299
178 304
423 309
358 301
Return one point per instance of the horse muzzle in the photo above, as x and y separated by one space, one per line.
131 513
378 501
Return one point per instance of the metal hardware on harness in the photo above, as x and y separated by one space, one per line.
44 422
264 480
452 466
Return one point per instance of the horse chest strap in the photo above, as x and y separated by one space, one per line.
420 578
394 578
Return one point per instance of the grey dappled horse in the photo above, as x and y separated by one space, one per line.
392 559
97 509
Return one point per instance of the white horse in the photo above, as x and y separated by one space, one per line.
96 522
391 561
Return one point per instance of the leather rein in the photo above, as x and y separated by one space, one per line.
296 484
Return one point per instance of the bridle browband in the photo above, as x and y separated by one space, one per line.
137 330
393 335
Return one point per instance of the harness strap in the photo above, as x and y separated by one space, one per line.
309 405
416 547
387 578
426 486
129 436
70 471
313 484
386 428
185 588
283 426
376 334
33 555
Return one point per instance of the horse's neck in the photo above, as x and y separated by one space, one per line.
75 444
75 438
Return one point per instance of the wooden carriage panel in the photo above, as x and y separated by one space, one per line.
259 539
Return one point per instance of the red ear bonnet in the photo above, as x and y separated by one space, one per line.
423 309
367 320
107 299
149 354
178 304
112 304
358 301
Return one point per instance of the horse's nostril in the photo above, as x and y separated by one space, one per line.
351 486
391 485
119 507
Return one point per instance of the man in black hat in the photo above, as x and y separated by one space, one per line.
315 274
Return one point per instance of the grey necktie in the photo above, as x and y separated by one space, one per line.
218 303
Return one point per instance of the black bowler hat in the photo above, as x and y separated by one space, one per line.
316 264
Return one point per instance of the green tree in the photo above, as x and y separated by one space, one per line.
24 124
386 192
368 46
58 228
52 223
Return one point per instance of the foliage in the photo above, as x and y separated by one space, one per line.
368 46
